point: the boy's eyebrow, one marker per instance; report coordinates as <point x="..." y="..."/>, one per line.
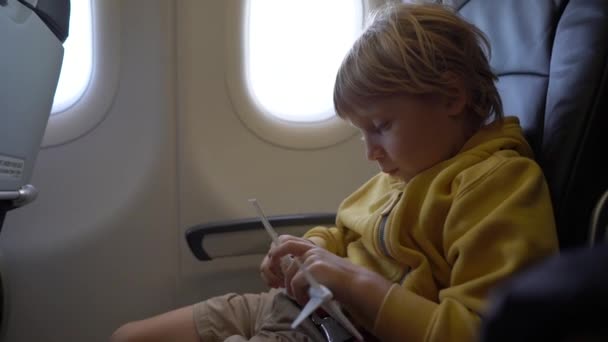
<point x="350" y="122"/>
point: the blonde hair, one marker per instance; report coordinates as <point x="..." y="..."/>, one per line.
<point x="418" y="50"/>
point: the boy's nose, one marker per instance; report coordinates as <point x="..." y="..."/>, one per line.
<point x="373" y="151"/>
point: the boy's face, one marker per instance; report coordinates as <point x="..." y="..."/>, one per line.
<point x="407" y="134"/>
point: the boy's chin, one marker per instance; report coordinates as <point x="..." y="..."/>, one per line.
<point x="392" y="173"/>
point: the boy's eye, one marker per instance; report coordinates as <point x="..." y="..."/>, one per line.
<point x="384" y="126"/>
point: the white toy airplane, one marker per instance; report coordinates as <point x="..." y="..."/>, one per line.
<point x="320" y="296"/>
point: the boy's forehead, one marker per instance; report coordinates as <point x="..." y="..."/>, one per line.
<point x="359" y="121"/>
<point x="371" y="110"/>
<point x="366" y="111"/>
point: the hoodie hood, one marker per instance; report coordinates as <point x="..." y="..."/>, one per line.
<point x="505" y="134"/>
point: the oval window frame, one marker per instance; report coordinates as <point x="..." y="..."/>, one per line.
<point x="264" y="125"/>
<point x="92" y="107"/>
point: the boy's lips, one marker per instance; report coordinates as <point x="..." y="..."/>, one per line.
<point x="390" y="171"/>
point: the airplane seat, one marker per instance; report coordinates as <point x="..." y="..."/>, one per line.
<point x="32" y="33"/>
<point x="551" y="60"/>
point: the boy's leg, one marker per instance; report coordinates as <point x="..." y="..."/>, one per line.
<point x="252" y="317"/>
<point x="176" y="325"/>
<point x="232" y="317"/>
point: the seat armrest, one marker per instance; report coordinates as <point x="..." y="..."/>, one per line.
<point x="196" y="235"/>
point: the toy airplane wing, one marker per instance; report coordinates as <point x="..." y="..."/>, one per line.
<point x="320" y="296"/>
<point x="313" y="304"/>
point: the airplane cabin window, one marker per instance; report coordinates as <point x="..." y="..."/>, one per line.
<point x="77" y="58"/>
<point x="293" y="51"/>
<point x="282" y="61"/>
<point x="89" y="75"/>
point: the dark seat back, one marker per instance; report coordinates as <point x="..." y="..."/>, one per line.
<point x="550" y="56"/>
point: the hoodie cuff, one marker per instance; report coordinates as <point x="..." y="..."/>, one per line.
<point x="322" y="237"/>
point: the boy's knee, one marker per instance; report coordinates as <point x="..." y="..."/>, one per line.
<point x="130" y="332"/>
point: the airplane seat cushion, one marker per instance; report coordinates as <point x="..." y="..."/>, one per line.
<point x="559" y="299"/>
<point x="550" y="57"/>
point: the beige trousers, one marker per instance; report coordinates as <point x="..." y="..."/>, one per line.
<point x="252" y="317"/>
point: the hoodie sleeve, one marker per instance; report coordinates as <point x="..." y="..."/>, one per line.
<point x="333" y="239"/>
<point x="499" y="222"/>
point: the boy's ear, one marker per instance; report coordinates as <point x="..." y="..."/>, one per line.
<point x="456" y="102"/>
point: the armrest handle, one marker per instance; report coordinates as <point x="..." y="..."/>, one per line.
<point x="195" y="235"/>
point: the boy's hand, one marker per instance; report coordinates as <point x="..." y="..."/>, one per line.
<point x="355" y="287"/>
<point x="274" y="270"/>
<point x="327" y="268"/>
<point x="272" y="276"/>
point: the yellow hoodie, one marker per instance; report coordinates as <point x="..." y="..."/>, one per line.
<point x="448" y="236"/>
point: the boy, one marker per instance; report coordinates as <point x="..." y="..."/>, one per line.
<point x="458" y="207"/>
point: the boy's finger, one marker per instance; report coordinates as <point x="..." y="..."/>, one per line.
<point x="299" y="288"/>
<point x="271" y="279"/>
<point x="293" y="247"/>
